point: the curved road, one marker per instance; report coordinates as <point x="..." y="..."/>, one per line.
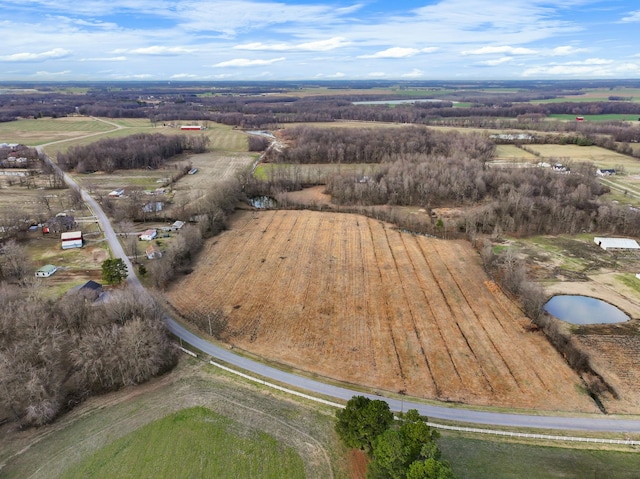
<point x="576" y="423"/>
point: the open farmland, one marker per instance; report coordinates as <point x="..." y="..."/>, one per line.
<point x="601" y="157"/>
<point x="352" y="299"/>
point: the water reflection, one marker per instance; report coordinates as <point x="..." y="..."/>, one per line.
<point x="584" y="310"/>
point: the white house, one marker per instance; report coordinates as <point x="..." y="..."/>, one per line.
<point x="148" y="235"/>
<point x="46" y="271"/>
<point x="119" y="193"/>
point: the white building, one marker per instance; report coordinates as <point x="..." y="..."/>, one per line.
<point x="616" y="243"/>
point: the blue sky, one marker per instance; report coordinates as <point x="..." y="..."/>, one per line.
<point x="304" y="40"/>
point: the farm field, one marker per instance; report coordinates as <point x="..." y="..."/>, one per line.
<point x="601" y="157"/>
<point x="350" y="298"/>
<point x="244" y="410"/>
<point x="603" y="117"/>
<point x="181" y="445"/>
<point x="45" y="130"/>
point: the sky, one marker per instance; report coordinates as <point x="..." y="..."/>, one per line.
<point x="206" y="40"/>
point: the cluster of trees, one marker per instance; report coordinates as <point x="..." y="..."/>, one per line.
<point x="369" y="145"/>
<point x="402" y="448"/>
<point x="141" y="150"/>
<point x="54" y="354"/>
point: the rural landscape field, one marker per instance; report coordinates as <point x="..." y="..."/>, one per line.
<point x="400" y="275"/>
<point x="353" y="299"/>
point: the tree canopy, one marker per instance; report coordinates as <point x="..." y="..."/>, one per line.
<point x="114" y="271"/>
<point x="404" y="448"/>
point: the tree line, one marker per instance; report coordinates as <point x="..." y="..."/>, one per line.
<point x="56" y="353"/>
<point x="138" y="151"/>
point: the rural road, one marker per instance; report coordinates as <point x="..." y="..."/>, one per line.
<point x="575" y="423"/>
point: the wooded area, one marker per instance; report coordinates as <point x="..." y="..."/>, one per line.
<point x="54" y="354"/>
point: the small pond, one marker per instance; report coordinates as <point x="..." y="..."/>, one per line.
<point x="263" y="202"/>
<point x="584" y="310"/>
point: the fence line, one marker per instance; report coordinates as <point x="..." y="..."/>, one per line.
<point x="475" y="430"/>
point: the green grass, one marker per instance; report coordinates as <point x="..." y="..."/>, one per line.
<point x="630" y="281"/>
<point x="606" y="117"/>
<point x="487" y="459"/>
<point x="192" y="443"/>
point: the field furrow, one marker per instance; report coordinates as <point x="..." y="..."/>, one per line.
<point x="351" y="298"/>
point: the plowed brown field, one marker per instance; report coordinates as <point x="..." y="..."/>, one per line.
<point x="352" y="299"/>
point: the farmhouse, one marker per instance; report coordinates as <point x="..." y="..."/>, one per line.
<point x="193" y="171"/>
<point x="46" y="271"/>
<point x="616" y="243"/>
<point x="605" y="172"/>
<point x="148" y="235"/>
<point x="119" y="193"/>
<point x="153" y="252"/>
<point x="191" y="127"/>
<point x="71" y="239"/>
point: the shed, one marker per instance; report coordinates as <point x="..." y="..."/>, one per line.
<point x="117" y="193"/>
<point x="148" y="235"/>
<point x="177" y="225"/>
<point x="616" y="243"/>
<point x="46" y="271"/>
<point x="71" y="239"/>
<point x="191" y="127"/>
<point x="153" y="252"/>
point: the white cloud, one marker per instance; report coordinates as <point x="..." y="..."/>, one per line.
<point x="161" y="50"/>
<point x="30" y="57"/>
<point x="315" y="46"/>
<point x="332" y="75"/>
<point x="632" y="17"/>
<point x="183" y="76"/>
<point x="246" y="62"/>
<point x="376" y="74"/>
<point x="566" y="50"/>
<point x="415" y="73"/>
<point x="497" y="61"/>
<point x="104" y="59"/>
<point x="488" y="50"/>
<point x="45" y="74"/>
<point x="592" y="67"/>
<point x="399" y="52"/>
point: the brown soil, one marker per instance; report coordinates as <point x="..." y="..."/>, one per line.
<point x="352" y="299"/>
<point x="358" y="462"/>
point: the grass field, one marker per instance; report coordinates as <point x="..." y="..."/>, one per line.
<point x="513" y="153"/>
<point x="604" y="117"/>
<point x="249" y="414"/>
<point x="476" y="458"/>
<point x="193" y="443"/>
<point x="596" y="95"/>
<point x="45" y="130"/>
<point x="352" y="299"/>
<point x="600" y="157"/>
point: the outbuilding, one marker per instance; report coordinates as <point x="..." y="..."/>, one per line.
<point x="153" y="252"/>
<point x="46" y="271"/>
<point x="191" y="127"/>
<point x="71" y="239"/>
<point x="616" y="243"/>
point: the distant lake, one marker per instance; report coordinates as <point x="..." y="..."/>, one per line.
<point x="400" y="102"/>
<point x="584" y="310"/>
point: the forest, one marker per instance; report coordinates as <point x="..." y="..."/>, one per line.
<point x="139" y="151"/>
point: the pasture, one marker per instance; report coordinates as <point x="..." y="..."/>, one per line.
<point x="193" y="442"/>
<point x="352" y="299"/>
<point x="603" y="117"/>
<point x="600" y="157"/>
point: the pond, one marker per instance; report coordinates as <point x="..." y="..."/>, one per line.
<point x="263" y="202"/>
<point x="584" y="310"/>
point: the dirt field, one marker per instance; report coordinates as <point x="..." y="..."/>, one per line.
<point x="349" y="298"/>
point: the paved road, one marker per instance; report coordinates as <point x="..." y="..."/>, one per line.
<point x="582" y="423"/>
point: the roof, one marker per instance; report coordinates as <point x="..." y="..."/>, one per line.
<point x="92" y="285"/>
<point x="47" y="268"/>
<point x="621" y="243"/>
<point x="71" y="235"/>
